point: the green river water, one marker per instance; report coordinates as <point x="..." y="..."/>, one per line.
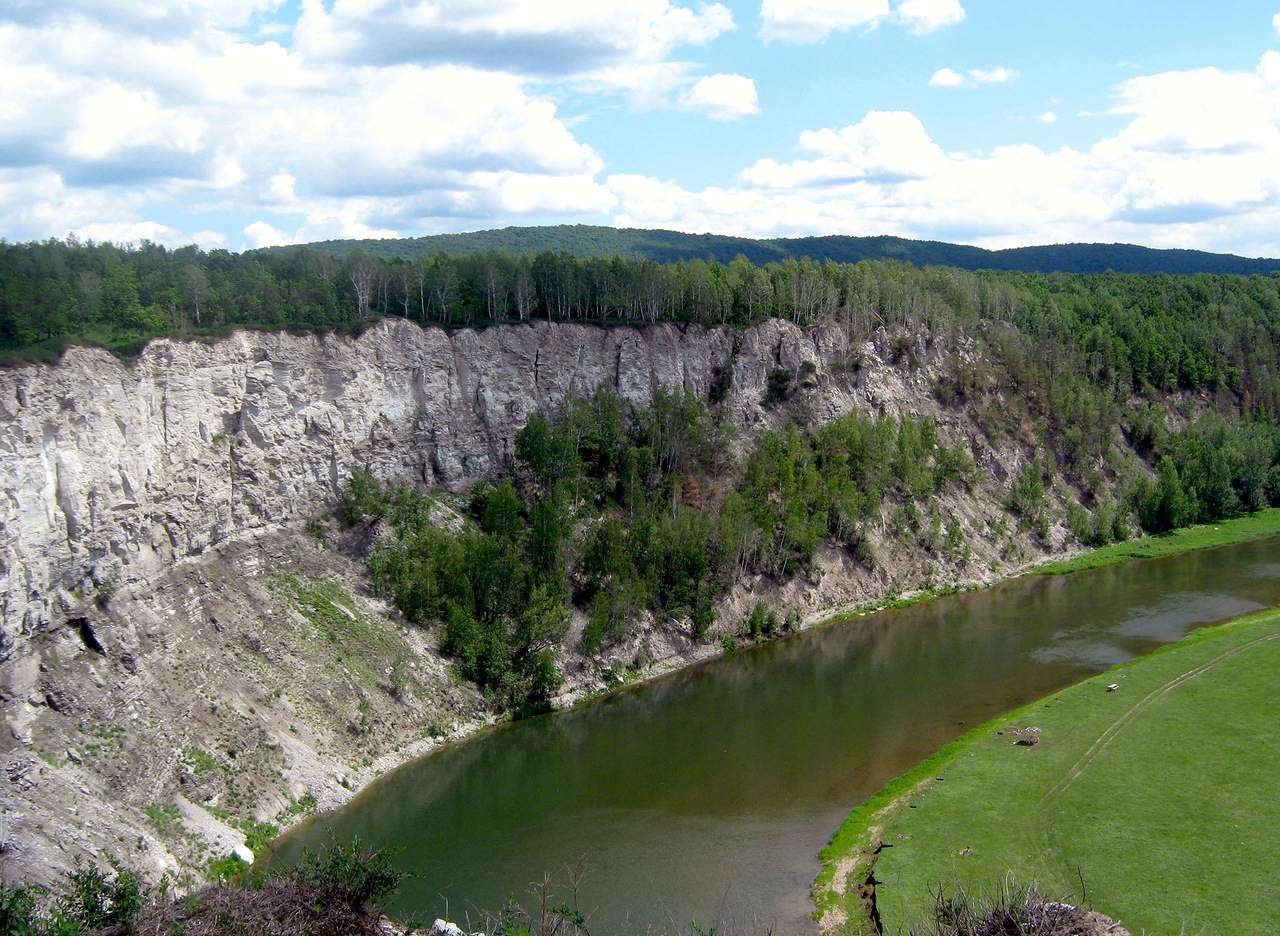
<point x="706" y="795"/>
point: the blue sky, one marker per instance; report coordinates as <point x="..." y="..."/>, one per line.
<point x="241" y="123"/>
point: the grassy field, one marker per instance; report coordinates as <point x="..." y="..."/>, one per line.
<point x="1250" y="526"/>
<point x="1161" y="797"/>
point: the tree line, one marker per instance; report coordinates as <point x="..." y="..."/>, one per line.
<point x="1145" y="334"/>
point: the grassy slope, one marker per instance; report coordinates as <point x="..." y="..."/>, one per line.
<point x="1161" y="796"/>
<point x="1250" y="526"/>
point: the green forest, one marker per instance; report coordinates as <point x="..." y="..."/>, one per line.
<point x="1126" y="333"/>
<point x="585" y="240"/>
<point x="628" y="513"/>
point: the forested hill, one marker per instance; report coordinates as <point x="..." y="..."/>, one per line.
<point x="582" y="240"/>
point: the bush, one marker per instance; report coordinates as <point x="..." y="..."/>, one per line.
<point x="1009" y="909"/>
<point x="348" y="873"/>
<point x="364" y="498"/>
<point x="762" y="623"/>
<point x="96" y="900"/>
<point x="1028" y="498"/>
<point x="1079" y="521"/>
<point x="19" y="911"/>
<point x="779" y="387"/>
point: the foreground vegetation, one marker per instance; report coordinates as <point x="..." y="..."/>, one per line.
<point x="1158" y="796"/>
<point x="330" y="893"/>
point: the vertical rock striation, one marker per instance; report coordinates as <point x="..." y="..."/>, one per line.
<point x="112" y="471"/>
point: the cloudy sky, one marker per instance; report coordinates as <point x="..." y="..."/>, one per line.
<point x="243" y="123"/>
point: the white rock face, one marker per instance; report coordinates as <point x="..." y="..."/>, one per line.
<point x="112" y="471"/>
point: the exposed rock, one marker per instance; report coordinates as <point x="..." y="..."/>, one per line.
<point x="167" y="625"/>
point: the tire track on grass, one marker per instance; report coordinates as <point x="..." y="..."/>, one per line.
<point x="1113" y="730"/>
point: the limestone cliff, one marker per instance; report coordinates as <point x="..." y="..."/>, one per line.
<point x="112" y="471"/>
<point x="177" y="660"/>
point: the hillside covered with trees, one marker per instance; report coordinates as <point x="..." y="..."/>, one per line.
<point x="585" y="240"/>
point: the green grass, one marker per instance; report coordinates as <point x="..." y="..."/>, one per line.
<point x="199" y="761"/>
<point x="1251" y="526"/>
<point x="1160" y="797"/>
<point x="165" y="820"/>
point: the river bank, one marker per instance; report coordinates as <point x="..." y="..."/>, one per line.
<point x="1207" y="536"/>
<point x="771" y="744"/>
<point x="1031" y="810"/>
<point x="1204" y="536"/>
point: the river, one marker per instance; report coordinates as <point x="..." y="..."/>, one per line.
<point x="708" y="794"/>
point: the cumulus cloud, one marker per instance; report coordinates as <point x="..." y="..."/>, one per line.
<point x="568" y="37"/>
<point x="1196" y="164"/>
<point x="1048" y="117"/>
<point x="926" y="16"/>
<point x="1275" y="22"/>
<point x="884" y="146"/>
<point x="814" y="20"/>
<point x="947" y="78"/>
<point x="261" y="234"/>
<point x="973" y="78"/>
<point x="722" y="97"/>
<point x="121" y="125"/>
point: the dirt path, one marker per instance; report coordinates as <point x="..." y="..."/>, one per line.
<point x="1104" y="740"/>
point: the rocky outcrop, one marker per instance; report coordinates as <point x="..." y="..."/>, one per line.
<point x="243" y="669"/>
<point x="113" y="471"/>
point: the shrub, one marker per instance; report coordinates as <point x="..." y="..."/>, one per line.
<point x="227" y="868"/>
<point x="1009" y="909"/>
<point x="762" y="623"/>
<point x="1028" y="498"/>
<point x="364" y="498"/>
<point x="96" y="900"/>
<point x="348" y="873"/>
<point x="779" y="387"/>
<point x="19" y="911"/>
<point x="1079" y="521"/>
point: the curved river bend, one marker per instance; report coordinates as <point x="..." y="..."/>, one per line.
<point x="708" y="794"/>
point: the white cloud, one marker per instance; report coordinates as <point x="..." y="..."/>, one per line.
<point x="974" y="77"/>
<point x="1196" y="164"/>
<point x="882" y="146"/>
<point x="814" y="20"/>
<point x="997" y="75"/>
<point x="1048" y="117"/>
<point x="1275" y="21"/>
<point x="125" y="125"/>
<point x="947" y="78"/>
<point x="568" y="37"/>
<point x="722" y="97"/>
<point x="260" y="234"/>
<point x="926" y="16"/>
<point x="154" y="17"/>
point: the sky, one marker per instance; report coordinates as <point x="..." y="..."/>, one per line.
<point x="248" y="123"/>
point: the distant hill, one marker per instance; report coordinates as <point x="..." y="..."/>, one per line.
<point x="583" y="240"/>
